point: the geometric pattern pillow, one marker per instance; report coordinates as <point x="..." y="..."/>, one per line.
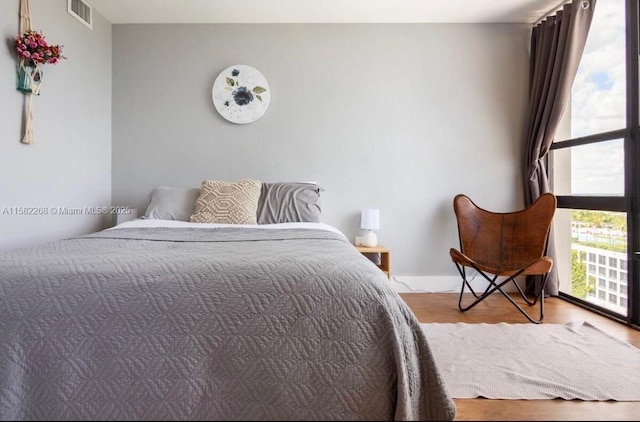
<point x="227" y="202"/>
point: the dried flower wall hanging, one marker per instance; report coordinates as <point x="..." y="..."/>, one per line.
<point x="33" y="52"/>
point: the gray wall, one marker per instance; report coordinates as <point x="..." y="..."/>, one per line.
<point x="70" y="163"/>
<point x="399" y="117"/>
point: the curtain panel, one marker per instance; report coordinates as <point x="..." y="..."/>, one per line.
<point x="557" y="44"/>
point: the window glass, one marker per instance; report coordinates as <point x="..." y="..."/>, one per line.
<point x="598" y="95"/>
<point x="601" y="237"/>
<point x="591" y="169"/>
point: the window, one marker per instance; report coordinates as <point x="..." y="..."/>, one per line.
<point x="602" y="283"/>
<point x="623" y="289"/>
<point x="595" y="165"/>
<point x="623" y="302"/>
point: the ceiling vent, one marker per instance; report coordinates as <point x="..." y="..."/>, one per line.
<point x="82" y="11"/>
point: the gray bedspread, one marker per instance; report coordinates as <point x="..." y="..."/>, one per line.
<point x="225" y="324"/>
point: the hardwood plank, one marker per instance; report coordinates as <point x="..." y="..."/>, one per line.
<point x="443" y="307"/>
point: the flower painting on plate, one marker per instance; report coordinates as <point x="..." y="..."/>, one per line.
<point x="241" y="94"/>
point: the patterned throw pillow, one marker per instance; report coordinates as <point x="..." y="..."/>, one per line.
<point x="227" y="202"/>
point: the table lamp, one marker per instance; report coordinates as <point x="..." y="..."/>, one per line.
<point x="370" y="220"/>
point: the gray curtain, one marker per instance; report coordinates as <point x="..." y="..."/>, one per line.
<point x="556" y="48"/>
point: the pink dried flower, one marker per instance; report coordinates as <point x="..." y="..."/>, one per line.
<point x="32" y="46"/>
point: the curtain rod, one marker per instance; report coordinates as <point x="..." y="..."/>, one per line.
<point x="550" y="12"/>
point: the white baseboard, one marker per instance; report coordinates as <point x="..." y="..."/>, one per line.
<point x="438" y="284"/>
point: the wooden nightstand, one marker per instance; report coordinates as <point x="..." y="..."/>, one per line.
<point x="385" y="263"/>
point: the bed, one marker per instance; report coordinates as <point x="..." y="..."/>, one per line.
<point x="171" y="320"/>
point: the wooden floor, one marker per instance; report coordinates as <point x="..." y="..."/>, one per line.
<point x="443" y="307"/>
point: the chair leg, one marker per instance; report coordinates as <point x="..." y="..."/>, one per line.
<point x="523" y="312"/>
<point x="463" y="274"/>
<point x="493" y="286"/>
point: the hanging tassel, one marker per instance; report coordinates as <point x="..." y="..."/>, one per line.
<point x="28" y="124"/>
<point x="25" y="25"/>
<point x="25" y="16"/>
<point x="35" y="79"/>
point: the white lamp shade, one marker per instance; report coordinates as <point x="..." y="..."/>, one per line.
<point x="370" y="219"/>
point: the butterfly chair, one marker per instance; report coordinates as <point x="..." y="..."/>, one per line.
<point x="503" y="245"/>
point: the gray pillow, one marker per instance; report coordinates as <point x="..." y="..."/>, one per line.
<point x="289" y="202"/>
<point x="167" y="203"/>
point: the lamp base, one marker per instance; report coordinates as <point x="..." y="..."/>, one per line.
<point x="370" y="239"/>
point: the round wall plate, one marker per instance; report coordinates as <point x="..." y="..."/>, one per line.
<point x="241" y="94"/>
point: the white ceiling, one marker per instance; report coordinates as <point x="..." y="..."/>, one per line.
<point x="322" y="11"/>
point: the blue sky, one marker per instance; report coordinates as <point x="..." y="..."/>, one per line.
<point x="598" y="103"/>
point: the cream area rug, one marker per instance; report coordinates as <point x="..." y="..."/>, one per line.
<point x="527" y="361"/>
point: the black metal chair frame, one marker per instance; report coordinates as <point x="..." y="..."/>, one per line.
<point x="493" y="286"/>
